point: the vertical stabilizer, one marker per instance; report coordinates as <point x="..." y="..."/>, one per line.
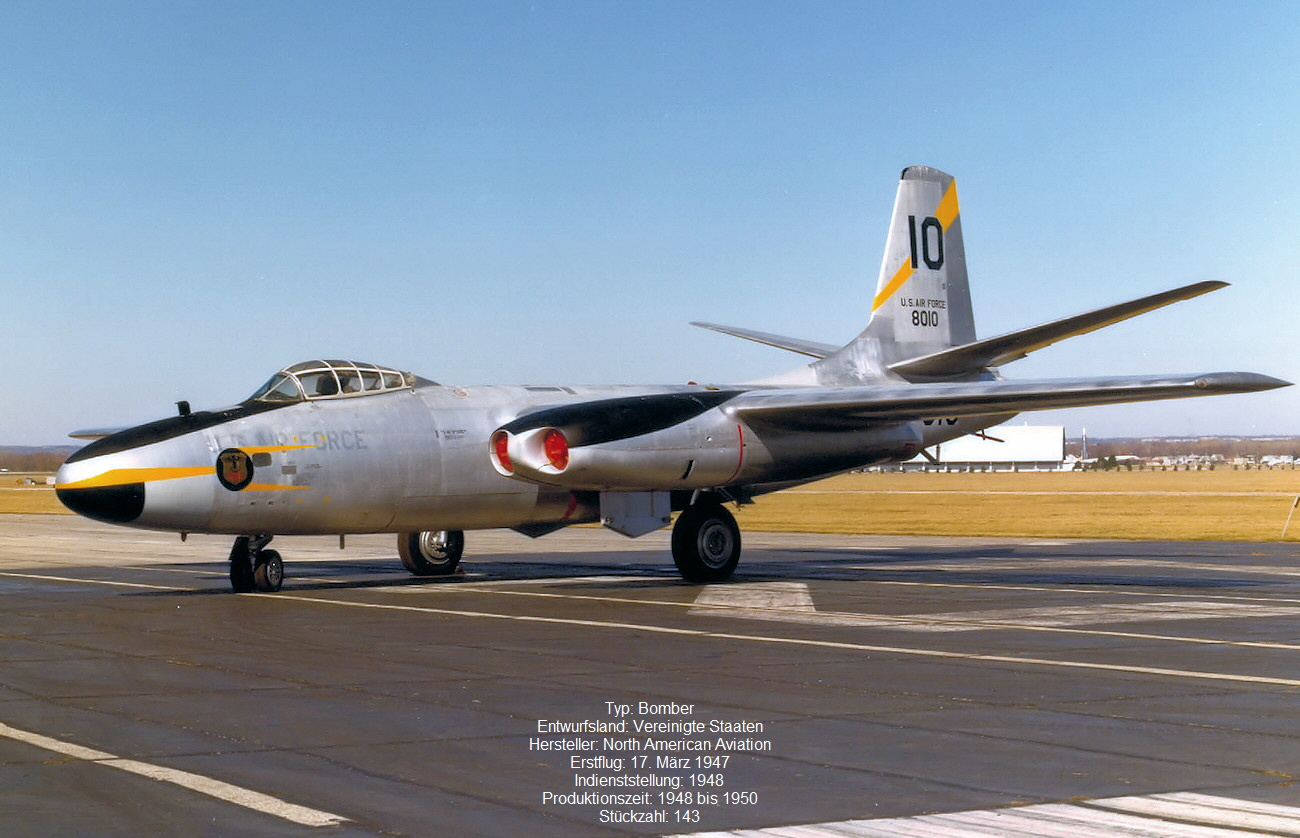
<point x="922" y="300"/>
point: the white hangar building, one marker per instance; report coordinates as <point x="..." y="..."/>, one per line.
<point x="1001" y="448"/>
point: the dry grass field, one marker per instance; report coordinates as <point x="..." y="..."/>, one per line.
<point x="1220" y="505"/>
<point x="17" y="498"/>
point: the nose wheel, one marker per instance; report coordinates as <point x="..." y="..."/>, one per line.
<point x="254" y="568"/>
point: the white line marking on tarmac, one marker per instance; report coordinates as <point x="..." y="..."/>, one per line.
<point x="1179" y="815"/>
<point x="792" y="602"/>
<point x="795" y="610"/>
<point x="744" y="597"/>
<point x="82" y="581"/>
<point x="1133" y="612"/>
<point x="1071" y="566"/>
<point x="1203" y="808"/>
<point x="1146" y="561"/>
<point x="1109" y="590"/>
<point x="237" y="795"/>
<point x="577" y="579"/>
<point x="795" y="641"/>
<point x="765" y="602"/>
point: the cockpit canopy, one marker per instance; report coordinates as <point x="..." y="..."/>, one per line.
<point x="314" y="380"/>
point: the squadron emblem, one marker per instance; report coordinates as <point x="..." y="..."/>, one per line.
<point x="234" y="469"/>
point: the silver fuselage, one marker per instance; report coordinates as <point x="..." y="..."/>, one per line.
<point x="419" y="459"/>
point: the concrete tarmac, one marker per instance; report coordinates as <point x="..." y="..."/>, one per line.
<point x="575" y="686"/>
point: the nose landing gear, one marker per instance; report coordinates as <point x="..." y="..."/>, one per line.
<point x="254" y="568"/>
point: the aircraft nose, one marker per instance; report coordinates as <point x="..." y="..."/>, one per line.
<point x="118" y="504"/>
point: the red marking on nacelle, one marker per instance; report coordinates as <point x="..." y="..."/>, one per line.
<point x="740" y="453"/>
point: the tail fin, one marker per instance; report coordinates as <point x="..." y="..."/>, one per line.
<point x="921" y="326"/>
<point x="922" y="301"/>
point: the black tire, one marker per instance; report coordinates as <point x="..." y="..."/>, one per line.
<point x="241" y="567"/>
<point x="432" y="553"/>
<point x="706" y="543"/>
<point x="268" y="573"/>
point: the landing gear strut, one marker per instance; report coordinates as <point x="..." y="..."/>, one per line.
<point x="706" y="542"/>
<point x="253" y="568"/>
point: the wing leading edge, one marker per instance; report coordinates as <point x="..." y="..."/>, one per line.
<point x="843" y="408"/>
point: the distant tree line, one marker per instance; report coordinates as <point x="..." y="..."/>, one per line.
<point x="34" y="460"/>
<point x="1226" y="447"/>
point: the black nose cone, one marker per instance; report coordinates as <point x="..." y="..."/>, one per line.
<point x="112" y="504"/>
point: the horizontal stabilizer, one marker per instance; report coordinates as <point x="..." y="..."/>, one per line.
<point x="803" y="347"/>
<point x="845" y="408"/>
<point x="94" y="433"/>
<point x="991" y="352"/>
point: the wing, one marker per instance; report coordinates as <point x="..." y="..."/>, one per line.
<point x="844" y="408"/>
<point x="1012" y="346"/>
<point x="813" y="349"/>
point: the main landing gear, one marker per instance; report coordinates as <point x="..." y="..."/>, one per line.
<point x="433" y="553"/>
<point x="706" y="548"/>
<point x="254" y="568"/>
<point x="706" y="542"/>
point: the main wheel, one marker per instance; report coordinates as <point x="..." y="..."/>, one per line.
<point x="433" y="553"/>
<point x="268" y="573"/>
<point x="706" y="543"/>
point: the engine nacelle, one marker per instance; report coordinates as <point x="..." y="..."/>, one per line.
<point x="702" y="453"/>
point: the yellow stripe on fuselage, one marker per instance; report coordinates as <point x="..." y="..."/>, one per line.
<point x="274" y="449"/>
<point x="126" y="476"/>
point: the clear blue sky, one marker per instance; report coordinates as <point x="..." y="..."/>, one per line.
<point x="193" y="195"/>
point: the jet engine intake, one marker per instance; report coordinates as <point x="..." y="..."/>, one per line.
<point x="538" y="451"/>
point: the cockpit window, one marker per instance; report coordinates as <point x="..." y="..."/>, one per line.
<point x="281" y="388"/>
<point x="314" y="380"/>
<point x="319" y="384"/>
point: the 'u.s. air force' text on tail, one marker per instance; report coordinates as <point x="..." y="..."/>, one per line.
<point x="438" y="460"/>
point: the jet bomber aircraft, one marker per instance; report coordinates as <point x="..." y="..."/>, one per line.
<point x="338" y="447"/>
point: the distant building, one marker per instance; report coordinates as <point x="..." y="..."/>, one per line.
<point x="1002" y="448"/>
